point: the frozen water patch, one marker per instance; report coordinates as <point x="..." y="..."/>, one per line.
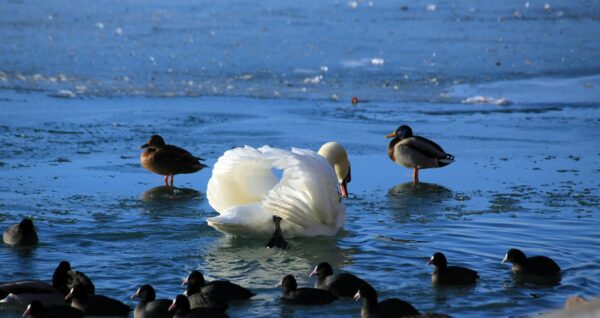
<point x="540" y="90"/>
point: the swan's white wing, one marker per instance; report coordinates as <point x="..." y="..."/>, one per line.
<point x="307" y="194"/>
<point x="241" y="176"/>
<point x="246" y="193"/>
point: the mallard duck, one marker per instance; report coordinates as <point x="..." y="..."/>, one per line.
<point x="168" y="160"/>
<point x="416" y="152"/>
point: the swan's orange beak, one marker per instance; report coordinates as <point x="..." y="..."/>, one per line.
<point x="344" y="189"/>
<point x="391" y="135"/>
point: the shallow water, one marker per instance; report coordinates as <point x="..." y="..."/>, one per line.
<point x="522" y="179"/>
<point x="527" y="174"/>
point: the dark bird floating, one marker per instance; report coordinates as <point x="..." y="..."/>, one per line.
<point x="22" y="234"/>
<point x="341" y="285"/>
<point x="450" y="275"/>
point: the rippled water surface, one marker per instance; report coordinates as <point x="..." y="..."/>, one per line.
<point x="210" y="77"/>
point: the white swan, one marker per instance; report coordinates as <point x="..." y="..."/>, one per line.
<point x="246" y="193"/>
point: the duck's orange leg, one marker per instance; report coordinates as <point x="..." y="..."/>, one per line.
<point x="167" y="180"/>
<point x="416" y="175"/>
<point x="172" y="177"/>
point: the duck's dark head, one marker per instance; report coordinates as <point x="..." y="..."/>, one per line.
<point x="35" y="309"/>
<point x="180" y="304"/>
<point x="514" y="256"/>
<point x="195" y="278"/>
<point x="63" y="266"/>
<point x="322" y="270"/>
<point x="26" y="225"/>
<point x="60" y="276"/>
<point x="438" y="260"/>
<point x="288" y="283"/>
<point x="145" y="293"/>
<point x="402" y="132"/>
<point x="155" y="141"/>
<point x="367" y="292"/>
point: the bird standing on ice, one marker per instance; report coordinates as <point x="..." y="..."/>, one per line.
<point x="247" y="193"/>
<point x="168" y="160"/>
<point x="416" y="152"/>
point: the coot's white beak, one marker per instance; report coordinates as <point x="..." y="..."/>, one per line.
<point x="357" y="295"/>
<point x="430" y="261"/>
<point x="505" y="259"/>
<point x="26" y="313"/>
<point x="314" y="272"/>
<point x="172" y="307"/>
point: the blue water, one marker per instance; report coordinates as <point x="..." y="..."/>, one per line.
<point x="526" y="174"/>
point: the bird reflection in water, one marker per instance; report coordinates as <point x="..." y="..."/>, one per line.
<point x="407" y="198"/>
<point x="162" y="193"/>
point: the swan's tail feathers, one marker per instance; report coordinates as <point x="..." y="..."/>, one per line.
<point x="445" y="160"/>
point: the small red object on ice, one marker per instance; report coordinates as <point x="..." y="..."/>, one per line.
<point x="354" y="100"/>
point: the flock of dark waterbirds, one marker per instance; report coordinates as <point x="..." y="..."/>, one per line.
<point x="72" y="294"/>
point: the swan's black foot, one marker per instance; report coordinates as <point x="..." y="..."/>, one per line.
<point x="277" y="239"/>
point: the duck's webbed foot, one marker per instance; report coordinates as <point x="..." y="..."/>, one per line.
<point x="277" y="238"/>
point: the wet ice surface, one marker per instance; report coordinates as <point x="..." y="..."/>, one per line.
<point x="381" y="50"/>
<point x="526" y="176"/>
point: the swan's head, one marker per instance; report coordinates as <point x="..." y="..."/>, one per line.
<point x="338" y="158"/>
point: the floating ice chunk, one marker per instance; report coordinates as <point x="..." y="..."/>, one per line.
<point x="64" y="93"/>
<point x="517" y="14"/>
<point x="324" y="69"/>
<point x="377" y="61"/>
<point x="334" y="97"/>
<point x="527" y="4"/>
<point x="353" y="4"/>
<point x="487" y="100"/>
<point x="431" y="7"/>
<point x="80" y="89"/>
<point x="100" y="25"/>
<point x="313" y="80"/>
<point x="547" y="7"/>
<point x="38" y="77"/>
<point x="119" y="31"/>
